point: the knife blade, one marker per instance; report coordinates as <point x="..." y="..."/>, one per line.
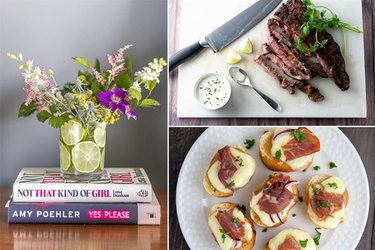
<point x="227" y="33"/>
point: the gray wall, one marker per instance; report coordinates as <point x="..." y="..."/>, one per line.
<point x="51" y="32"/>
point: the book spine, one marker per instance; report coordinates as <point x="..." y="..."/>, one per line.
<point x="83" y="213"/>
<point x="82" y="193"/>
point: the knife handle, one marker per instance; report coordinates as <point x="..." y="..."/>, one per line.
<point x="183" y="55"/>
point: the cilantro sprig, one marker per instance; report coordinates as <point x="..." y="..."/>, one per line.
<point x="249" y="143"/>
<point x="299" y="135"/>
<point x="317" y="238"/>
<point x="317" y="21"/>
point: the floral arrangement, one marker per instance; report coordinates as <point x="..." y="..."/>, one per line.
<point x="95" y="97"/>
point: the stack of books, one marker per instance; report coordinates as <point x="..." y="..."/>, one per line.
<point x="120" y="196"/>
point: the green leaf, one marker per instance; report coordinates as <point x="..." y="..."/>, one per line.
<point x="97" y="65"/>
<point x="135" y="93"/>
<point x="150" y="85"/>
<point x="149" y="103"/>
<point x="96" y="87"/>
<point x="43" y="116"/>
<point x="133" y="103"/>
<point x="83" y="61"/>
<point x="123" y="81"/>
<point x="128" y="65"/>
<point x="58" y="121"/>
<point x="278" y="154"/>
<point x="26" y="110"/>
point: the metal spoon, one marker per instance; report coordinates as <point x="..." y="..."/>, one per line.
<point x="239" y="76"/>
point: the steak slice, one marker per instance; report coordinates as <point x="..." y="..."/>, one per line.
<point x="330" y="57"/>
<point x="268" y="56"/>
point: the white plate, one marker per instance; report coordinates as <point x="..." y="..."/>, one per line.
<point x="196" y="23"/>
<point x="193" y="202"/>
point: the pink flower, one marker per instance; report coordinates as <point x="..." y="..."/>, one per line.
<point x="37" y="86"/>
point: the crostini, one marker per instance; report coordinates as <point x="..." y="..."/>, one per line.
<point x="231" y="168"/>
<point x="230" y="228"/>
<point x="272" y="202"/>
<point x="289" y="239"/>
<point x="288" y="150"/>
<point x="326" y="199"/>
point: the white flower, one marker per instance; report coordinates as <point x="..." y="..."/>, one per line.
<point x="150" y="73"/>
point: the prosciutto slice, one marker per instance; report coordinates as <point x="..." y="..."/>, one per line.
<point x="275" y="196"/>
<point x="228" y="166"/>
<point x="289" y="244"/>
<point x="295" y="149"/>
<point x="235" y="230"/>
<point x="332" y="203"/>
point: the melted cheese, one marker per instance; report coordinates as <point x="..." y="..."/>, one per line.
<point x="241" y="177"/>
<point x="228" y="243"/>
<point x="297" y="234"/>
<point x="334" y="220"/>
<point x="296" y="164"/>
<point x="265" y="217"/>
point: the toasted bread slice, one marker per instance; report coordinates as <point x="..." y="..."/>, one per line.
<point x="294" y="232"/>
<point x="315" y="180"/>
<point x="206" y="181"/>
<point x="255" y="217"/>
<point x="265" y="145"/>
<point x="227" y="206"/>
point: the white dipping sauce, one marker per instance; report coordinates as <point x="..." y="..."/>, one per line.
<point x="212" y="91"/>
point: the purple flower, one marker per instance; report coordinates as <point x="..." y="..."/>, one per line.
<point x="117" y="100"/>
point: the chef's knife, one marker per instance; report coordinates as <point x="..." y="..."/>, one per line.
<point x="227" y="33"/>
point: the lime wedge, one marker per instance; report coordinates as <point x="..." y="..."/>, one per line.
<point x="64" y="158"/>
<point x="86" y="157"/>
<point x="245" y="46"/>
<point x="99" y="135"/>
<point x="233" y="57"/>
<point x="72" y="132"/>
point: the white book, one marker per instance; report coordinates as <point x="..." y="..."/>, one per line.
<point x="115" y="185"/>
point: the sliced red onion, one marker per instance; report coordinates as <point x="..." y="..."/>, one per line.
<point x="278" y="216"/>
<point x="271" y="217"/>
<point x="225" y="183"/>
<point x="282" y="132"/>
<point x="290" y="183"/>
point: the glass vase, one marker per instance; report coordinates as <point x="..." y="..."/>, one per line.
<point x="82" y="150"/>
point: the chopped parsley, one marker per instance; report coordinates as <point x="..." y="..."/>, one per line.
<point x="230" y="184"/>
<point x="317" y="238"/>
<point x="278" y="154"/>
<point x="264" y="230"/>
<point x="215" y="190"/>
<point x="316" y="168"/>
<point x="298" y="135"/>
<point x="270" y="176"/>
<point x="241" y="161"/>
<point x="249" y="143"/>
<point x="294" y="215"/>
<point x="291" y="197"/>
<point x="332" y="165"/>
<point x="236" y="219"/>
<point x="316" y="191"/>
<point x="333" y="185"/>
<point x="241" y="207"/>
<point x="223" y="236"/>
<point x="300" y="199"/>
<point x="265" y="131"/>
<point x="303" y="243"/>
<point x="321" y="203"/>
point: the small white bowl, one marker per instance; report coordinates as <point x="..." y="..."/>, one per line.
<point x="212" y="91"/>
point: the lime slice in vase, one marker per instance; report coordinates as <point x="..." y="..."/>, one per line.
<point x="64" y="157"/>
<point x="86" y="157"/>
<point x="72" y="132"/>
